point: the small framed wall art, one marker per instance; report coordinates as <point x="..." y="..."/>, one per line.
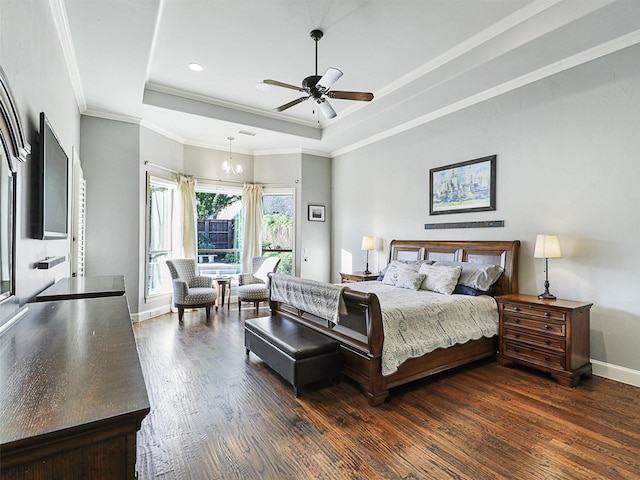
<point x="463" y="187"/>
<point x="316" y="213"/>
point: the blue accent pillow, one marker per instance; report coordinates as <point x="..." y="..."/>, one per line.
<point x="474" y="292"/>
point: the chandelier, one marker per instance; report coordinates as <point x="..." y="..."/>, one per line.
<point x="228" y="165"/>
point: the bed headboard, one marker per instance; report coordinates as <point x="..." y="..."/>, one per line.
<point x="503" y="253"/>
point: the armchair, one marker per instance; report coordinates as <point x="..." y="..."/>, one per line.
<point x="254" y="287"/>
<point x="189" y="289"/>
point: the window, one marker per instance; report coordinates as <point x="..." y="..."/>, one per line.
<point x="278" y="228"/>
<point x="220" y="234"/>
<point x="219" y="229"/>
<point x="160" y="199"/>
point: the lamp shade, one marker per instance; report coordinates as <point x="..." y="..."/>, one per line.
<point x="547" y="246"/>
<point x="367" y="243"/>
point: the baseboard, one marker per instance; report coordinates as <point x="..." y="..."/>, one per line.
<point x="147" y="314"/>
<point x="617" y="373"/>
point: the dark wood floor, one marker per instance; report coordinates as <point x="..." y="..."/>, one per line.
<point x="218" y="414"/>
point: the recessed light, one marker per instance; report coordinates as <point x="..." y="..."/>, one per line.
<point x="196" y="67"/>
<point x="263" y="86"/>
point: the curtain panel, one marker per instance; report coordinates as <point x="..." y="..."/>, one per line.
<point x="252" y="223"/>
<point x="189" y="216"/>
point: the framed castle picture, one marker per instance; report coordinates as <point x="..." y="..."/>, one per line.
<point x="463" y="187"/>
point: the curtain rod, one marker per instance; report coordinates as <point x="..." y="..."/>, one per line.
<point x="166" y="169"/>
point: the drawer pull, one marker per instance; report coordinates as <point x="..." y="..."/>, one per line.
<point x="548" y="342"/>
<point x="516" y="320"/>
<point x="517" y="350"/>
<point x="516" y="309"/>
<point x="547" y="314"/>
<point x="547" y="326"/>
<point x="517" y="335"/>
<point x="547" y="359"/>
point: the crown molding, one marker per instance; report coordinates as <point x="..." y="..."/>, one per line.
<point x="154" y="87"/>
<point x="554" y="68"/>
<point x="495" y="30"/>
<point x="289" y="151"/>
<point x="111" y="116"/>
<point x="61" y="23"/>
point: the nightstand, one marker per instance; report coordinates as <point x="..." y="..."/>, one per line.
<point x="549" y="335"/>
<point x="358" y="277"/>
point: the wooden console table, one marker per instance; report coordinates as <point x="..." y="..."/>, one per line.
<point x="73" y="393"/>
<point x="83" y="287"/>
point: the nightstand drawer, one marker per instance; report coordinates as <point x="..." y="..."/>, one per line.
<point x="534" y="311"/>
<point x="536" y="341"/>
<point x="533" y="355"/>
<point x="534" y="324"/>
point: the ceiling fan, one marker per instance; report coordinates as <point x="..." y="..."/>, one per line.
<point x="319" y="87"/>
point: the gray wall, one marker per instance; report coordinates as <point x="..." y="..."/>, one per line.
<point x="315" y="237"/>
<point x="32" y="60"/>
<point x="110" y="153"/>
<point x="567" y="163"/>
<point x="207" y="163"/>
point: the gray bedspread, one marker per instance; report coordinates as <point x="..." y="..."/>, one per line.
<point x="418" y="322"/>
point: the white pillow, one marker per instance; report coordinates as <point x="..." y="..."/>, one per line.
<point x="440" y="279"/>
<point x="410" y="280"/>
<point x="394" y="269"/>
<point x="480" y="276"/>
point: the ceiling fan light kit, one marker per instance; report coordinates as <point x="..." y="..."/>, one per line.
<point x="319" y="87"/>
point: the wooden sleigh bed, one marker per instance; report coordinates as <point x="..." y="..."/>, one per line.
<point x="360" y="332"/>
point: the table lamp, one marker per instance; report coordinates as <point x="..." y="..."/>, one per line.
<point x="367" y="244"/>
<point x="547" y="246"/>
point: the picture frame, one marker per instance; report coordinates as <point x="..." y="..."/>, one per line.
<point x="468" y="186"/>
<point x="316" y="213"/>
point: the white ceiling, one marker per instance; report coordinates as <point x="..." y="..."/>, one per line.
<point x="422" y="59"/>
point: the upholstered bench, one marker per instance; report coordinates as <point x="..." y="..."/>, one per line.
<point x="299" y="354"/>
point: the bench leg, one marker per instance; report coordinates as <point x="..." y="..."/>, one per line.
<point x="180" y="313"/>
<point x="295" y="392"/>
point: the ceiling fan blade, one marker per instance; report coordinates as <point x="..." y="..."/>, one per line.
<point x="362" y="96"/>
<point x="285" y="85"/>
<point x="326" y="108"/>
<point x="330" y="77"/>
<point x="282" y="108"/>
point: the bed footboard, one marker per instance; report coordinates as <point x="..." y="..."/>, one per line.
<point x="360" y="335"/>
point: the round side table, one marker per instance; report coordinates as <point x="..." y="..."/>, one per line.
<point x="223" y="286"/>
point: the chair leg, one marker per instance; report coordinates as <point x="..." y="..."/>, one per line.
<point x="208" y="310"/>
<point x="180" y="313"/>
<point x="257" y="305"/>
<point x="239" y="305"/>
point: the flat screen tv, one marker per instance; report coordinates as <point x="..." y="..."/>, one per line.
<point x="50" y="186"/>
